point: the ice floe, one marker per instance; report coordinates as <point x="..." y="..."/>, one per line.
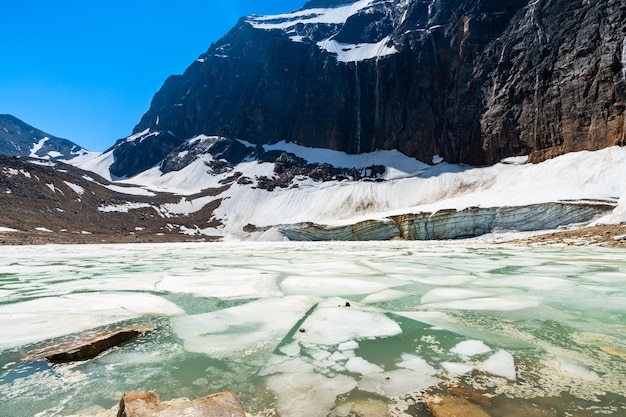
<point x="471" y="348"/>
<point x="244" y="330"/>
<point x="332" y="323"/>
<point x="45" y="318"/>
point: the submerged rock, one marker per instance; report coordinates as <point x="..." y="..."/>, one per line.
<point x="452" y="406"/>
<point x="148" y="404"/>
<point x="87" y="346"/>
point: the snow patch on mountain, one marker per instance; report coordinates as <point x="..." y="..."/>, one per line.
<point x="37" y="147"/>
<point x="336" y="15"/>
<point x="358" y="52"/>
<point x="291" y="24"/>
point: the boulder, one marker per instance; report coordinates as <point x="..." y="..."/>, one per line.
<point x="148" y="404"/>
<point x="87" y="345"/>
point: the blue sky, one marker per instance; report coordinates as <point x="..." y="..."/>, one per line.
<point x="87" y="70"/>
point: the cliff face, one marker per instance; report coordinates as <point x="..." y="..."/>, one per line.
<point x="471" y="81"/>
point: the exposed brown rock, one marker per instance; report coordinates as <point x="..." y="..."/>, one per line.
<point x="87" y="346"/>
<point x="452" y="406"/>
<point x="148" y="404"/>
<point x="470" y="394"/>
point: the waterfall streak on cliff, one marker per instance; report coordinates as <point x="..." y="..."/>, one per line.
<point x="377" y="100"/>
<point x="532" y="14"/>
<point x="357" y="81"/>
<point x="624" y="59"/>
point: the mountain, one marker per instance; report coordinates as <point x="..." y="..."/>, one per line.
<point x="469" y="81"/>
<point x="53" y="202"/>
<point x="363" y="120"/>
<point x="20" y="139"/>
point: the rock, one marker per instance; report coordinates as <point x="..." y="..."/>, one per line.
<point x="619" y="238"/>
<point x="451" y="406"/>
<point x="471" y="395"/>
<point x="148" y="404"/>
<point x="87" y="346"/>
<point x="471" y="81"/>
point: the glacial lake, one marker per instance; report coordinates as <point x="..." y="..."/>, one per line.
<point x="320" y="329"/>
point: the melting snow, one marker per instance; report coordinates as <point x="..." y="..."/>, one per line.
<point x="76" y="188"/>
<point x="123" y="208"/>
<point x="37" y="147"/>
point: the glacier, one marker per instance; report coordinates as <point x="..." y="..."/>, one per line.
<point x="407" y="199"/>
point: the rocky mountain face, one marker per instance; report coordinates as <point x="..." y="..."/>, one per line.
<point x="20" y="139"/>
<point x="53" y="202"/>
<point x="471" y="81"/>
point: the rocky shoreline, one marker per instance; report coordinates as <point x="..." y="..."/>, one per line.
<point x="601" y="235"/>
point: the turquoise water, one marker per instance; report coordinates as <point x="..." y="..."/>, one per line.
<point x="541" y="331"/>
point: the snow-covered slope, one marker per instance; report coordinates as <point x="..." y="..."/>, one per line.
<point x="257" y="198"/>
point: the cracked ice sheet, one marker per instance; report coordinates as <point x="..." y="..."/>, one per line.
<point x="308" y="394"/>
<point x="330" y="324"/>
<point x="245" y="330"/>
<point x="225" y="284"/>
<point x="484" y="304"/>
<point x="416" y="375"/>
<point x="46" y="318"/>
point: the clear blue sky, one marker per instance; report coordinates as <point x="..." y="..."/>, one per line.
<point x="87" y="70"/>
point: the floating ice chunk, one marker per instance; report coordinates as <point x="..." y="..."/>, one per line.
<point x="237" y="283"/>
<point x="46" y="318"/>
<point x="308" y="394"/>
<point x="539" y="283"/>
<point x="358" y="365"/>
<point x="501" y="364"/>
<point x="415" y="363"/>
<point x="487" y="303"/>
<point x="447" y="294"/>
<point x="325" y="286"/>
<point x="320" y="355"/>
<point x="292" y="349"/>
<point x="455" y="368"/>
<point x="282" y="365"/>
<point x="243" y="330"/>
<point x="330" y="324"/>
<point x="386" y="295"/>
<point x="397" y="383"/>
<point x="349" y="345"/>
<point x="338" y="357"/>
<point x="470" y="348"/>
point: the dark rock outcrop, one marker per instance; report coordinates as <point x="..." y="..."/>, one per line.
<point x="88" y="346"/>
<point x="20" y="139"/>
<point x="471" y="81"/>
